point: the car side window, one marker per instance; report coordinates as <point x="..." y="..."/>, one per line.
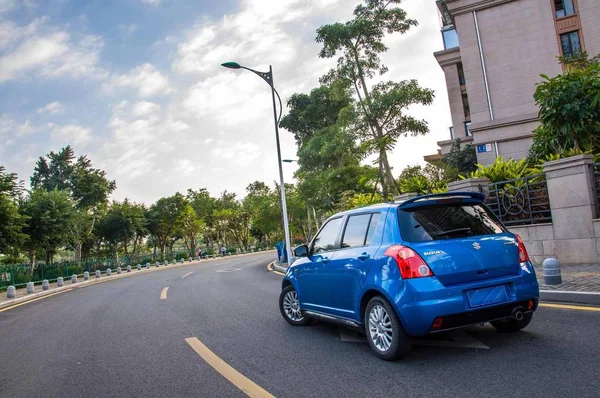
<point x="326" y="239"/>
<point x="372" y="227"/>
<point x="356" y="231"/>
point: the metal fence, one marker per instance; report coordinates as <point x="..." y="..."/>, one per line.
<point x="523" y="201"/>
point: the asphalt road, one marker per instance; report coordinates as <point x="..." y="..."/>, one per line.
<point x="120" y="339"/>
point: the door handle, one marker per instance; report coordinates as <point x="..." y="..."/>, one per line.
<point x="325" y="260"/>
<point x="364" y="256"/>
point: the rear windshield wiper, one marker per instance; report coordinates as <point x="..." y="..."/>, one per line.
<point x="454" y="231"/>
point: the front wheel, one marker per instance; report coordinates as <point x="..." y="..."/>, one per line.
<point x="385" y="333"/>
<point x="289" y="305"/>
<point x="512" y="325"/>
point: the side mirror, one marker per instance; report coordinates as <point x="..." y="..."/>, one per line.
<point x="301" y="251"/>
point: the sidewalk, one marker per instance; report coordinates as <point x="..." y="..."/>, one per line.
<point x="575" y="278"/>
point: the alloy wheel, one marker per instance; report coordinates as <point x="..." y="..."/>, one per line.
<point x="380" y="328"/>
<point x="291" y="306"/>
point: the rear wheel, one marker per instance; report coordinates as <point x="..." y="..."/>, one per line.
<point x="385" y="333"/>
<point x="512" y="325"/>
<point x="289" y="305"/>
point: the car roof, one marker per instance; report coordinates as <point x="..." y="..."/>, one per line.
<point x="378" y="206"/>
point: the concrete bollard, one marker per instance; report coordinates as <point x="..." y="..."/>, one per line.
<point x="119" y="270"/>
<point x="190" y="259"/>
<point x="139" y="267"/>
<point x="60" y="281"/>
<point x="30" y="287"/>
<point x="157" y="264"/>
<point x="86" y="276"/>
<point x="98" y="274"/>
<point x="198" y="258"/>
<point x="206" y="257"/>
<point x="214" y="256"/>
<point x="45" y="284"/>
<point x="259" y="249"/>
<point x="552" y="272"/>
<point x="165" y="262"/>
<point x="129" y="268"/>
<point x="147" y="265"/>
<point x="108" y="271"/>
<point x="73" y="278"/>
<point x="11" y="292"/>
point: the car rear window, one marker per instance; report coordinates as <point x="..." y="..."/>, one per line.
<point x="437" y="222"/>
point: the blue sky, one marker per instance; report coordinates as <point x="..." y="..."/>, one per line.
<point x="136" y="85"/>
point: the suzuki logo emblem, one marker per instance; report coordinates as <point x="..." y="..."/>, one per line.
<point x="476" y="246"/>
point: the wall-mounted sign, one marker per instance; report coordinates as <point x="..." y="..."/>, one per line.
<point x="484" y="148"/>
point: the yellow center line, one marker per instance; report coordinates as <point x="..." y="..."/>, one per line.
<point x="163" y="294"/>
<point x="188" y="274"/>
<point x="31" y="301"/>
<point x="236" y="378"/>
<point x="270" y="269"/>
<point x="570" y="307"/>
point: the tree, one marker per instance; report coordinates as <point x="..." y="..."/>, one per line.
<point x="88" y="187"/>
<point x="328" y="155"/>
<point x="189" y="226"/>
<point x="569" y="109"/>
<point x="11" y="221"/>
<point x="463" y="159"/>
<point x="49" y="215"/>
<point x="380" y="111"/>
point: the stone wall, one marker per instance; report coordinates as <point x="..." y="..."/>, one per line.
<point x="538" y="239"/>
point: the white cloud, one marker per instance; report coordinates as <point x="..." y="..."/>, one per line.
<point x="7" y="6"/>
<point x="32" y="53"/>
<point x="237" y="154"/>
<point x="9" y="127"/>
<point x="39" y="49"/>
<point x="145" y="78"/>
<point x="52" y="108"/>
<point x="151" y="2"/>
<point x="144" y="108"/>
<point x="71" y="134"/>
<point x="81" y="60"/>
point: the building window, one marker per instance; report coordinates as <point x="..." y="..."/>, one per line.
<point x="466" y="107"/>
<point x="570" y="44"/>
<point x="452" y="133"/>
<point x="564" y="8"/>
<point x="468" y="129"/>
<point x="461" y="74"/>
<point x="450" y="38"/>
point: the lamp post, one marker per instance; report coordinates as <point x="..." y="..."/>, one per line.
<point x="310" y="235"/>
<point x="268" y="77"/>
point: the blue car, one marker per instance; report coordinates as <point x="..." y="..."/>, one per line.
<point x="400" y="270"/>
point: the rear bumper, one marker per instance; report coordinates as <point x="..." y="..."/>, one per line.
<point x="420" y="301"/>
<point x="503" y="311"/>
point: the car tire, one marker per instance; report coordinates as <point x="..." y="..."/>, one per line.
<point x="290" y="307"/>
<point x="384" y="332"/>
<point x="512" y="325"/>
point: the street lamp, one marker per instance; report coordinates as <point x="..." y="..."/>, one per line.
<point x="268" y="77"/>
<point x="307" y="206"/>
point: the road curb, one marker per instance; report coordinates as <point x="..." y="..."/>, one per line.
<point x="36" y="296"/>
<point x="561" y="296"/>
<point x="278" y="267"/>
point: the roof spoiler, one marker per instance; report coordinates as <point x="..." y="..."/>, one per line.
<point x="439" y="198"/>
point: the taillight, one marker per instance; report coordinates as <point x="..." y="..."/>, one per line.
<point x="410" y="264"/>
<point x="523" y="256"/>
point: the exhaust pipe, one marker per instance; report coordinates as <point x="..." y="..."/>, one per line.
<point x="517" y="314"/>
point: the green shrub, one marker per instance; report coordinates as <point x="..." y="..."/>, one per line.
<point x="505" y="170"/>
